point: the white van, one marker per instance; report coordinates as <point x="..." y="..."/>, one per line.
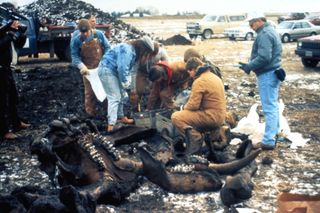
<point x="213" y="24"/>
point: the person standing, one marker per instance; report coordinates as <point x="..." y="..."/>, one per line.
<point x="109" y="32"/>
<point x="264" y="61"/>
<point x="87" y="48"/>
<point x="206" y="106"/>
<point x="92" y="20"/>
<point x="11" y="36"/>
<point x="115" y="72"/>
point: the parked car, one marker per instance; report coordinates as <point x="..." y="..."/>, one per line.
<point x="243" y="31"/>
<point x="213" y="24"/>
<point x="292" y="16"/>
<point x="308" y="48"/>
<point x="314" y="19"/>
<point x="292" y="30"/>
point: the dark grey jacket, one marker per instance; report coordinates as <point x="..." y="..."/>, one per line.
<point x="266" y="50"/>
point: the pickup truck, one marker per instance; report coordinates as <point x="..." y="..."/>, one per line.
<point x="213" y="24"/>
<point x="308" y="48"/>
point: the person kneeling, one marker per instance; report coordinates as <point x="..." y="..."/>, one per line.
<point x="206" y="106"/>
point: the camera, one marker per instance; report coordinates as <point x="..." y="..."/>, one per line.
<point x="9" y="16"/>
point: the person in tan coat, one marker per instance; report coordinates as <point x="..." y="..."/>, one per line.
<point x="167" y="79"/>
<point x="205" y="108"/>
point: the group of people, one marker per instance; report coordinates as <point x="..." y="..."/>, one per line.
<point x="91" y="49"/>
<point x="136" y="64"/>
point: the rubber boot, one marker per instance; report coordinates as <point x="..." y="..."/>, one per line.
<point x="194" y="145"/>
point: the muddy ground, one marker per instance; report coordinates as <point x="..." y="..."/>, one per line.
<point x="50" y="89"/>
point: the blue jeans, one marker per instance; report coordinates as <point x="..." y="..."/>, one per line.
<point x="114" y="91"/>
<point x="269" y="84"/>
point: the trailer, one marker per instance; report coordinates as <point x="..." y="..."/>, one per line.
<point x="44" y="38"/>
<point x="54" y="40"/>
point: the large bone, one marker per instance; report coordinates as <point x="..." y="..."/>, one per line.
<point x="196" y="181"/>
<point x="234" y="166"/>
<point x="239" y="186"/>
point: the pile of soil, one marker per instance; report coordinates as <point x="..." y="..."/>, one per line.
<point x="177" y="40"/>
<point x="61" y="12"/>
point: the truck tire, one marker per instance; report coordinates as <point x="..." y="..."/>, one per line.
<point x="64" y="54"/>
<point x="67" y="53"/>
<point x="310" y="63"/>
<point x="285" y="38"/>
<point x="59" y="54"/>
<point x="249" y="37"/>
<point x="207" y="34"/>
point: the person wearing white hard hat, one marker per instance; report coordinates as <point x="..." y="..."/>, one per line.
<point x="115" y="72"/>
<point x="264" y="61"/>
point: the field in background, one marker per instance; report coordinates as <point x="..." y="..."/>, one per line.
<point x="164" y="27"/>
<point x="160" y="26"/>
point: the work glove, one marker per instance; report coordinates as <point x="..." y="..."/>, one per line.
<point x="84" y="71"/>
<point x="245" y="67"/>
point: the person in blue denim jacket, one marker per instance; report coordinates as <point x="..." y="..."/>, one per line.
<point x="115" y="71"/>
<point x="265" y="60"/>
<point x="87" y="48"/>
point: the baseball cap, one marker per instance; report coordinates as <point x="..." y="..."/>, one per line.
<point x="84" y="25"/>
<point x="148" y="42"/>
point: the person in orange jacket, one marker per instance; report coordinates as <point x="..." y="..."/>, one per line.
<point x="167" y="79"/>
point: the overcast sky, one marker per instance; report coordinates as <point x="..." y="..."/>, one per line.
<point x="203" y="6"/>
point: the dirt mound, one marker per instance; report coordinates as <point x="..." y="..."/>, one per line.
<point x="50" y="91"/>
<point x="177" y="40"/>
<point x="61" y="12"/>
